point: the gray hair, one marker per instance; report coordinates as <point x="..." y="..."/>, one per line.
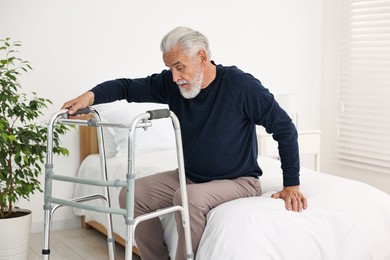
<point x="190" y="40"/>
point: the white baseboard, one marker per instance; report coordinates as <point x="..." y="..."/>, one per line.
<point x="75" y="222"/>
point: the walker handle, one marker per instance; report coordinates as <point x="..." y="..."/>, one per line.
<point x="159" y="113"/>
<point x="82" y="111"/>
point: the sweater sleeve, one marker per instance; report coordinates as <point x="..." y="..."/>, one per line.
<point x="150" y="89"/>
<point x="260" y="106"/>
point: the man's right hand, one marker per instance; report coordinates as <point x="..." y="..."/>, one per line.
<point x="80" y="102"/>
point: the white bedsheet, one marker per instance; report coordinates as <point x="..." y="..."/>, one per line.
<point x="345" y="220"/>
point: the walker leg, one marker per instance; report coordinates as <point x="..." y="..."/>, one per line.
<point x="46" y="242"/>
<point x="187" y="236"/>
<point x="103" y="166"/>
<point x="129" y="241"/>
<point x="183" y="189"/>
<point x="187" y="231"/>
<point x="111" y="248"/>
<point x="110" y="238"/>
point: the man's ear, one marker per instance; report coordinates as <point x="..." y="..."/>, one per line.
<point x="203" y="56"/>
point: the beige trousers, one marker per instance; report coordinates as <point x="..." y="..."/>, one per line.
<point x="161" y="190"/>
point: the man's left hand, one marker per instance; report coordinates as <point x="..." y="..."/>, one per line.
<point x="293" y="198"/>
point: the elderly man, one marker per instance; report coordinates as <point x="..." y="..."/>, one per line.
<point x="218" y="108"/>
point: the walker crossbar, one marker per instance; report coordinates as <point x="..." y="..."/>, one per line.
<point x="93" y="123"/>
<point x="80" y="199"/>
<point x="157" y="213"/>
<point x="140" y="121"/>
<point x="115" y="183"/>
<point x="87" y="206"/>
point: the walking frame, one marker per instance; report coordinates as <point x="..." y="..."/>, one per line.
<point x="52" y="203"/>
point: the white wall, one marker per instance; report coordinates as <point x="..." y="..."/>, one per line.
<point x="74" y="45"/>
<point x="331" y="30"/>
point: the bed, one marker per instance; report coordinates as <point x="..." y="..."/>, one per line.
<point x="345" y="219"/>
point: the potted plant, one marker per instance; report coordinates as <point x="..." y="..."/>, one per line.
<point x="22" y="146"/>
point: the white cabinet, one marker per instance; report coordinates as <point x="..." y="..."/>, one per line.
<point x="309" y="143"/>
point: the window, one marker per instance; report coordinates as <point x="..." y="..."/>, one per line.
<point x="364" y="85"/>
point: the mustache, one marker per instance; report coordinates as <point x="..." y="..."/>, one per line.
<point x="181" y="82"/>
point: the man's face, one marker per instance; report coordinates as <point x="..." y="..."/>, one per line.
<point x="186" y="71"/>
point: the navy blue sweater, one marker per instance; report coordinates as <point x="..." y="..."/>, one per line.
<point x="218" y="125"/>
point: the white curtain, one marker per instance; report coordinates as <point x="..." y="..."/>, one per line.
<point x="364" y="85"/>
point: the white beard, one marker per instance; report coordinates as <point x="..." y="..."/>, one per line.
<point x="195" y="86"/>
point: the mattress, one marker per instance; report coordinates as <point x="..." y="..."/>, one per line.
<point x="345" y="219"/>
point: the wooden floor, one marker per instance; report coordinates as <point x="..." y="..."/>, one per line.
<point x="75" y="244"/>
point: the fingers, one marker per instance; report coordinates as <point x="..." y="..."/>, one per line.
<point x="72" y="105"/>
<point x="297" y="205"/>
<point x="294" y="200"/>
<point x="298" y="202"/>
<point x="288" y="202"/>
<point x="73" y="108"/>
<point x="293" y="204"/>
<point x="304" y="201"/>
<point x="80" y="102"/>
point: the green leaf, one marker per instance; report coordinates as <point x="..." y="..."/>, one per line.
<point x="12" y="138"/>
<point x="4" y="136"/>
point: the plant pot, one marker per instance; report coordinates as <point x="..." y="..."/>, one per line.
<point x="15" y="236"/>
